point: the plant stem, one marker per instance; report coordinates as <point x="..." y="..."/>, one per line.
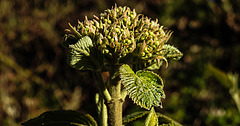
<point x="102" y="87"/>
<point x="115" y="105"/>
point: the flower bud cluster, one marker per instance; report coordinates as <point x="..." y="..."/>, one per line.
<point x="120" y="30"/>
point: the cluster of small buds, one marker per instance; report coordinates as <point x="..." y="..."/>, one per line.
<point x="119" y="31"/>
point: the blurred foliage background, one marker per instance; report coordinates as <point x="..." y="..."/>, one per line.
<point x="34" y="76"/>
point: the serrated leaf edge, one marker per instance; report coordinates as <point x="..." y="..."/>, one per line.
<point x="134" y="116"/>
<point x="130" y="90"/>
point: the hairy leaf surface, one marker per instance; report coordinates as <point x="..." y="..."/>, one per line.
<point x="171" y="52"/>
<point x="83" y="56"/>
<point x="61" y="118"/>
<point x="145" y="88"/>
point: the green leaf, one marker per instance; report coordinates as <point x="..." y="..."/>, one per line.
<point x="229" y="81"/>
<point x="171" y="52"/>
<point x="141" y="114"/>
<point x="169" y="124"/>
<point x="170" y="120"/>
<point x="152" y="119"/>
<point x="133" y="116"/>
<point x="155" y="66"/>
<point x="102" y="110"/>
<point x="145" y="88"/>
<point x="83" y="56"/>
<point x="61" y="118"/>
<point x="68" y="40"/>
<point x="219" y="75"/>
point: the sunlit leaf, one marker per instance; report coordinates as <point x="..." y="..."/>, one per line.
<point x="156" y="65"/>
<point x="152" y="119"/>
<point x="145" y="88"/>
<point x="171" y="52"/>
<point x="83" y="56"/>
<point x="61" y="118"/>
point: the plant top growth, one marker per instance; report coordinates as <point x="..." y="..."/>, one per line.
<point x="127" y="46"/>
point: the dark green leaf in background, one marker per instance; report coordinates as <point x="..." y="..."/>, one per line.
<point x="61" y="118"/>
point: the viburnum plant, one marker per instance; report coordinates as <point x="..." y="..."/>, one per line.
<point x="127" y="46"/>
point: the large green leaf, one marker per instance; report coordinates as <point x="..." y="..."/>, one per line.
<point x="61" y="118"/>
<point x="145" y="88"/>
<point x="152" y="119"/>
<point x="83" y="56"/>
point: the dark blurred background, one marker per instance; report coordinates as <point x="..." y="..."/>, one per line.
<point x="34" y="75"/>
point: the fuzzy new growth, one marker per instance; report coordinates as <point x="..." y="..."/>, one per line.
<point x="120" y="31"/>
<point x="119" y="48"/>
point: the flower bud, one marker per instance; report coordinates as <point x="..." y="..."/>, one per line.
<point x="124" y="31"/>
